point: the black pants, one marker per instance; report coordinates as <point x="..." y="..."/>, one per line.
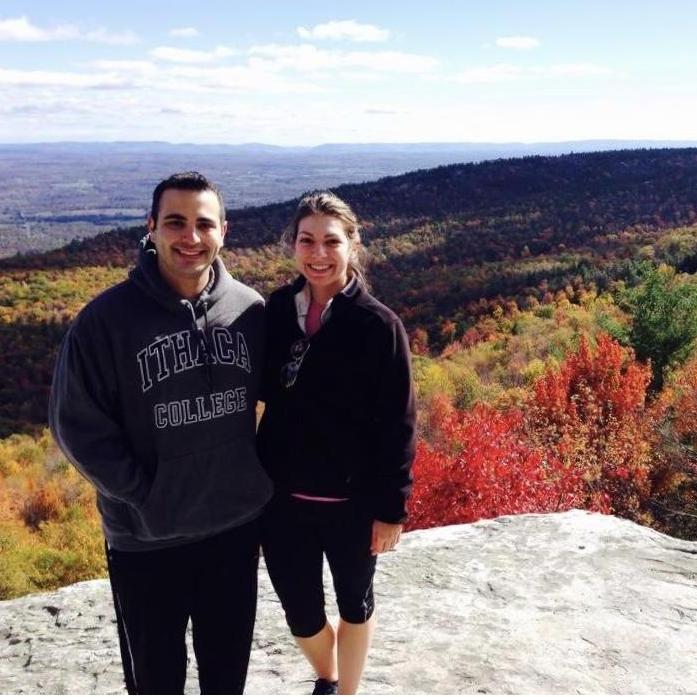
<point x="296" y="536"/>
<point x="213" y="582"/>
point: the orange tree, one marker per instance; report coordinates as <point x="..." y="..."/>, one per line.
<point x="591" y="415"/>
<point x="676" y="408"/>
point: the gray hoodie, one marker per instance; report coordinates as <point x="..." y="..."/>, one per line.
<point x="153" y="400"/>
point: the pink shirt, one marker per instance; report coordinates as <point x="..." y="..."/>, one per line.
<point x="313" y="321"/>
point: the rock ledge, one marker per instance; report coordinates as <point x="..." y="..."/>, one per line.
<point x="563" y="603"/>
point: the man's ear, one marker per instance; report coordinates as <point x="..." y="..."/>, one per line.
<point x="225" y="228"/>
<point x="151" y="224"/>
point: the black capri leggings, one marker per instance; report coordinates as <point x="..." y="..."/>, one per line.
<point x="295" y="536"/>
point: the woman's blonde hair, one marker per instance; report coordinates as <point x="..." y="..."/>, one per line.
<point x="328" y="203"/>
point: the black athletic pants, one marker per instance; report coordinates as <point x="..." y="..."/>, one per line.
<point x="296" y="535"/>
<point x="213" y="582"/>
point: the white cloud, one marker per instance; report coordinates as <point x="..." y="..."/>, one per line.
<point x="518" y="42"/>
<point x="505" y="72"/>
<point x="348" y="30"/>
<point x="101" y="36"/>
<point x="47" y="78"/>
<point x="184" y="32"/>
<point x="308" y="58"/>
<point x="49" y="106"/>
<point x="241" y="78"/>
<point x="64" y="115"/>
<point x="490" y="73"/>
<point x="125" y="65"/>
<point x="381" y="111"/>
<point x="166" y="77"/>
<point x="21" y="29"/>
<point x="185" y="55"/>
<point x="393" y="62"/>
<point x="359" y="75"/>
<point x="577" y="70"/>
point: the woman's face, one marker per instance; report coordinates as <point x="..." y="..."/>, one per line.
<point x="322" y="252"/>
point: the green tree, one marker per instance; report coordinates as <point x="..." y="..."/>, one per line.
<point x="664" y="325"/>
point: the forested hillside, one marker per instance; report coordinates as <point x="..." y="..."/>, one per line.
<point x="448" y="245"/>
<point x="552" y="308"/>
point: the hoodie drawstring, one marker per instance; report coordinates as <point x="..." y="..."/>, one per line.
<point x="202" y="336"/>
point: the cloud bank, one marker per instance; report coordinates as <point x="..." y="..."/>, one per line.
<point x="518" y="42"/>
<point x="344" y="30"/>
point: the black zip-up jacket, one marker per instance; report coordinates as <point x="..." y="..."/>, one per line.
<point x="346" y="427"/>
<point x="153" y="400"/>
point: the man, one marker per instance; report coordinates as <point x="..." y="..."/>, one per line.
<point x="153" y="400"/>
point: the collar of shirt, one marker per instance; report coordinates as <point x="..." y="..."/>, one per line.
<point x="303" y="298"/>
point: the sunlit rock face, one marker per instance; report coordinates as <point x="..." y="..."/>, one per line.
<point x="561" y="603"/>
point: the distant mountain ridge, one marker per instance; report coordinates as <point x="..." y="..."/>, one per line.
<point x="564" y="199"/>
<point x="507" y="149"/>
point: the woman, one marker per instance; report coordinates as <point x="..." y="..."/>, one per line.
<point x="337" y="438"/>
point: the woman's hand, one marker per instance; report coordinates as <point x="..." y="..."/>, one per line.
<point x="385" y="537"/>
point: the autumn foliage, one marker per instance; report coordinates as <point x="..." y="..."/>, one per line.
<point x="504" y="273"/>
<point x="683" y="394"/>
<point x="591" y="415"/>
<point x="583" y="440"/>
<point x="49" y="527"/>
<point x="482" y="466"/>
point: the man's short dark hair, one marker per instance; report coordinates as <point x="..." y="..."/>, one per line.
<point x="186" y="181"/>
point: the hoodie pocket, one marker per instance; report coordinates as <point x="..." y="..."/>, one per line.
<point x="204" y="492"/>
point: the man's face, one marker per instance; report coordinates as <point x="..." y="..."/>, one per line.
<point x="188" y="235"/>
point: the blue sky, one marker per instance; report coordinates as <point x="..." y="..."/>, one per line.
<point x="311" y="72"/>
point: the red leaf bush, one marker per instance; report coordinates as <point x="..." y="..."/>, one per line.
<point x="482" y="467"/>
<point x="584" y="440"/>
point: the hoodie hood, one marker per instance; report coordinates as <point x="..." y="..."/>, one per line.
<point x="146" y="275"/>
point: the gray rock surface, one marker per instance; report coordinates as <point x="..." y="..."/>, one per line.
<point x="563" y="603"/>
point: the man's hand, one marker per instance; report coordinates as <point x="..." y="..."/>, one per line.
<point x="385" y="537"/>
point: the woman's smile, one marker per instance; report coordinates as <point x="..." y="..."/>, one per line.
<point x="322" y="251"/>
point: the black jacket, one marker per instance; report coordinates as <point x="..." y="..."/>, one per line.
<point x="153" y="400"/>
<point x="346" y="427"/>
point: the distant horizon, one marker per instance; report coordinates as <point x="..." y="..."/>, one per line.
<point x="358" y="143"/>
